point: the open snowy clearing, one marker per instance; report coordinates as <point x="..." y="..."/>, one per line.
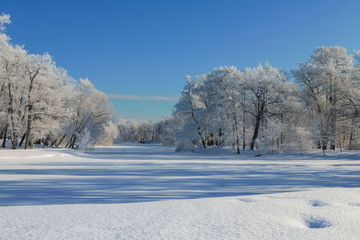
<point x="60" y="194"/>
<point x="322" y="214"/>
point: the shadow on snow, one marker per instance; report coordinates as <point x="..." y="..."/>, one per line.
<point x="149" y="173"/>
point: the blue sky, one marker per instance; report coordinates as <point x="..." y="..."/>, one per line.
<point x="145" y="48"/>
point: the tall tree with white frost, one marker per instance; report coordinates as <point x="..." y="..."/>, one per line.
<point x="266" y="89"/>
<point x="11" y="89"/>
<point x="327" y="79"/>
<point x="191" y="110"/>
<point x="91" y="110"/>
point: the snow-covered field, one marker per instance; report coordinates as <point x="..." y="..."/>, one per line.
<point x="152" y="192"/>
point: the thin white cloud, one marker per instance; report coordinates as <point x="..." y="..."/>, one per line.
<point x="141" y="98"/>
<point x="141" y="119"/>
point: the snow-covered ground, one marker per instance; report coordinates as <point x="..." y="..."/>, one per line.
<point x="152" y="192"/>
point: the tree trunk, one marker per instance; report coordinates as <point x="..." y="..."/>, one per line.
<point x="324" y="138"/>
<point x="340" y="144"/>
<point x="322" y="141"/>
<point x="46" y="141"/>
<point x="221" y="141"/>
<point x="53" y="142"/>
<point x="5" y="136"/>
<point x="14" y="140"/>
<point x="68" y="144"/>
<point x="10" y="112"/>
<point x="197" y="123"/>
<point x="61" y="140"/>
<point x="28" y="142"/>
<point x="199" y="129"/>
<point x="351" y="133"/>
<point x="331" y="120"/>
<point x="22" y="139"/>
<point x="256" y="132"/>
<point x="244" y="128"/>
<point x="237" y="135"/>
<point x="28" y="129"/>
<point x="73" y="143"/>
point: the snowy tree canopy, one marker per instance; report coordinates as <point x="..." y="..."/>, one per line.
<point x="40" y="103"/>
<point x="263" y="107"/>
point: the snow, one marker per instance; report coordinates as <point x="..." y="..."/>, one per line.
<point x="151" y="192"/>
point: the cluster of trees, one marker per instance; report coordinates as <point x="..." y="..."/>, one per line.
<point x="40" y="103"/>
<point x="133" y="131"/>
<point x="316" y="106"/>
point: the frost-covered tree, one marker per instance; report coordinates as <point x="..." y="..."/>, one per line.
<point x="210" y="110"/>
<point x="128" y="131"/>
<point x="190" y="112"/>
<point x="322" y="106"/>
<point x="216" y="108"/>
<point x="91" y="110"/>
<point x="85" y="141"/>
<point x="168" y="129"/>
<point x="149" y="131"/>
<point x="221" y="91"/>
<point x="12" y="88"/>
<point x="266" y="90"/>
<point x="108" y="135"/>
<point x="46" y="92"/>
<point x="40" y="103"/>
<point x="328" y="81"/>
<point x="31" y="87"/>
<point x="4" y="19"/>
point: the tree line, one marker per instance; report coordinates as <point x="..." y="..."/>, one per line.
<point x="317" y="105"/>
<point x="40" y="103"/>
<point x="133" y="131"/>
